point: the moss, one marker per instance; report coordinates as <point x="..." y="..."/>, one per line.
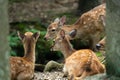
<point x="53" y="65"/>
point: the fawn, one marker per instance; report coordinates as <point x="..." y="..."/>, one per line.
<point x="78" y="63"/>
<point x="22" y="68"/>
<point x="88" y="27"/>
<point x="101" y="43"/>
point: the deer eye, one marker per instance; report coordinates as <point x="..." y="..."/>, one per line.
<point x="53" y="30"/>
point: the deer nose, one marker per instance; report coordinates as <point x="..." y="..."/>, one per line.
<point x="98" y="46"/>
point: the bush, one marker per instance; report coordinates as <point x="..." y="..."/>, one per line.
<point x="43" y="53"/>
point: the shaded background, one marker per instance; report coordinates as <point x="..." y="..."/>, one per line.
<point x="36" y="15"/>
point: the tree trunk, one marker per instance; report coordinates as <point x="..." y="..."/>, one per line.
<point x="113" y="38"/>
<point x="4" y="52"/>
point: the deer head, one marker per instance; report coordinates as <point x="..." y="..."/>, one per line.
<point x="54" y="27"/>
<point x="59" y="41"/>
<point x="28" y="35"/>
<point x="62" y="43"/>
<point x="28" y="39"/>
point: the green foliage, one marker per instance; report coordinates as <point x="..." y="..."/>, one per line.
<point x="71" y="18"/>
<point x="99" y="54"/>
<point x="13" y="42"/>
<point x="43" y="53"/>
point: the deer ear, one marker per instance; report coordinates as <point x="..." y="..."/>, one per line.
<point x="20" y="35"/>
<point x="73" y="33"/>
<point x="57" y="20"/>
<point x="62" y="20"/>
<point x="36" y="35"/>
<point x="62" y="34"/>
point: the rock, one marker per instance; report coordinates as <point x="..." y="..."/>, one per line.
<point x="52" y="65"/>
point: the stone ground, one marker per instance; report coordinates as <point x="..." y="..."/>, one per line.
<point x="57" y="75"/>
<point x="54" y="75"/>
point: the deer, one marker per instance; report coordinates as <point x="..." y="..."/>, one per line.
<point x="22" y="68"/>
<point x="101" y="43"/>
<point x="78" y="63"/>
<point x="88" y="27"/>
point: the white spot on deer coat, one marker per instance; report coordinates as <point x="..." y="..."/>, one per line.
<point x="88" y="19"/>
<point x="84" y="22"/>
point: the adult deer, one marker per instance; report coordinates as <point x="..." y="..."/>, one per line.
<point x="78" y="63"/>
<point x="22" y="68"/>
<point x="88" y="27"/>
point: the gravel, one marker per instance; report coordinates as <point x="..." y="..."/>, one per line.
<point x="55" y="75"/>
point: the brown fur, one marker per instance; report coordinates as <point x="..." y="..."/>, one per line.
<point x="63" y="45"/>
<point x="83" y="63"/>
<point x="101" y="44"/>
<point x="88" y="26"/>
<point x="80" y="63"/>
<point x="22" y="68"/>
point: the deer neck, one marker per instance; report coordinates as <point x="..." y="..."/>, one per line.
<point x="29" y="52"/>
<point x="67" y="49"/>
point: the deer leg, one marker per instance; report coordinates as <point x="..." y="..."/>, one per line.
<point x="72" y="74"/>
<point x="94" y="70"/>
<point x="85" y="74"/>
<point x="93" y="41"/>
<point x="98" y="67"/>
<point x="65" y="71"/>
<point x="71" y="77"/>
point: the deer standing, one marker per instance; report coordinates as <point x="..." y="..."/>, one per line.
<point x="80" y="63"/>
<point x="87" y="27"/>
<point x="22" y="68"/>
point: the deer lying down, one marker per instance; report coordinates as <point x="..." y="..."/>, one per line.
<point x="88" y="27"/>
<point x="80" y="63"/>
<point x="22" y="68"/>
